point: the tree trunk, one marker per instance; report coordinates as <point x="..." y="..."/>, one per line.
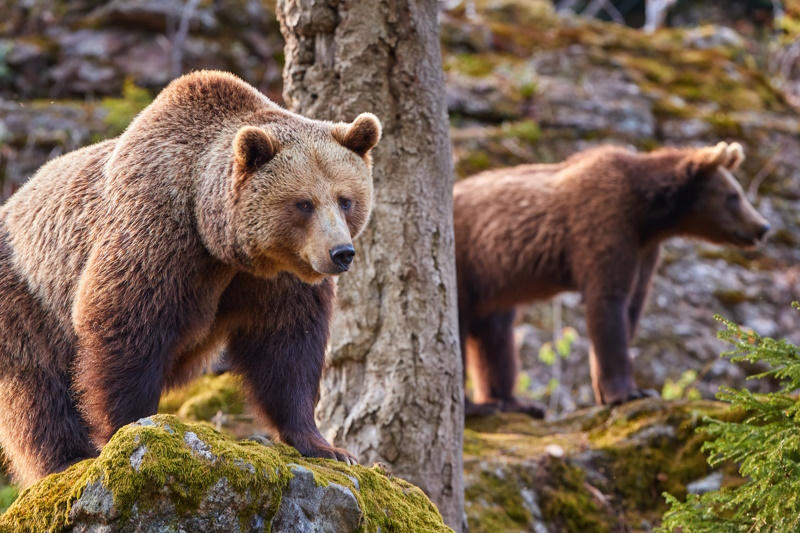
<point x="393" y="388"/>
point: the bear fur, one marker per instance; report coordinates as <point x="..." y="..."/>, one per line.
<point x="215" y="220"/>
<point x="593" y="224"/>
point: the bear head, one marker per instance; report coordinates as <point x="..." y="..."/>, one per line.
<point x="718" y="210"/>
<point x="302" y="194"/>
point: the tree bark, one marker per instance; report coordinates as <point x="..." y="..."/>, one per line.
<point x="393" y="388"/>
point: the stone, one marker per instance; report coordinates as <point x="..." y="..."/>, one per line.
<point x="709" y="483"/>
<point x="196" y="479"/>
<point x="307" y="507"/>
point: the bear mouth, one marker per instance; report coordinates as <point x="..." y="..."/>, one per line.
<point x="744" y="240"/>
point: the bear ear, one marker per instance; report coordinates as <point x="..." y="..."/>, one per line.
<point x="706" y="160"/>
<point x="361" y="136"/>
<point x="252" y="147"/>
<point x="735" y="154"/>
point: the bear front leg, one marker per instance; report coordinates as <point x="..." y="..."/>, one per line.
<point x="611" y="364"/>
<point x="648" y="263"/>
<point x="280" y="352"/>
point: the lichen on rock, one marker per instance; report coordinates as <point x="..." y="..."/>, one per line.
<point x="162" y="474"/>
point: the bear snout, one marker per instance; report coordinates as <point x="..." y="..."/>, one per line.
<point x="762" y="231"/>
<point x="342" y="255"/>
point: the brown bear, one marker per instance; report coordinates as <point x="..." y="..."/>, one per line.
<point x="216" y="219"/>
<point x="593" y="224"/>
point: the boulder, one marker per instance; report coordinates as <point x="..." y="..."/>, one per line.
<point x="162" y="474"/>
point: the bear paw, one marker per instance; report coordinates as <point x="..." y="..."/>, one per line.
<point x="635" y="394"/>
<point x="530" y="408"/>
<point x="477" y="410"/>
<point x="326" y="451"/>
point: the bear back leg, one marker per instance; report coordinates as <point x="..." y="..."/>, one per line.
<point x="41" y="430"/>
<point x="494" y="364"/>
<point x="491" y="358"/>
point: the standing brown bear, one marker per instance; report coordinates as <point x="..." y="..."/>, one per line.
<point x="592" y="224"/>
<point x="217" y="218"/>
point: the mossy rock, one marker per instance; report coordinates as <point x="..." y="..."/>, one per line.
<point x="593" y="470"/>
<point x="161" y="474"/>
<point x="205" y="397"/>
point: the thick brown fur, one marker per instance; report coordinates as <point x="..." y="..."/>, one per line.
<point x="592" y="224"/>
<point x="126" y="265"/>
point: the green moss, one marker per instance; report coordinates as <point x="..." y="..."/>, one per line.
<point x="503" y="508"/>
<point x="635" y="452"/>
<point x="121" y="111"/>
<point x="169" y="464"/>
<point x="734" y="257"/>
<point x="567" y="502"/>
<point x="659" y="64"/>
<point x="525" y="130"/>
<point x="724" y="125"/>
<point x="477" y="65"/>
<point x="473" y="163"/>
<point x="666" y="460"/>
<point x="785" y="237"/>
<point x="203" y="398"/>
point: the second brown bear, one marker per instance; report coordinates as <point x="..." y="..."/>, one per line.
<point x="592" y="224"/>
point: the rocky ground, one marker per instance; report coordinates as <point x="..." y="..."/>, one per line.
<point x="595" y="469"/>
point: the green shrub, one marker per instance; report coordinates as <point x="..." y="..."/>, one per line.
<point x="765" y="444"/>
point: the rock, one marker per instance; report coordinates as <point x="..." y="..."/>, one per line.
<point x="706" y="37"/>
<point x="609" y="474"/>
<point x="154" y="15"/>
<point x="308" y="507"/>
<point x="709" y="483"/>
<point x="161" y="474"/>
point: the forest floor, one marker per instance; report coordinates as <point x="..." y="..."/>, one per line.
<point x="596" y="469"/>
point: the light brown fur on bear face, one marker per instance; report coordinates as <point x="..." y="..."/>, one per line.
<point x="310" y="197"/>
<point x="592" y="224"/>
<point x="125" y="265"/>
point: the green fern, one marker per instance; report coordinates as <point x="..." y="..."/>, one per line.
<point x="766" y="445"/>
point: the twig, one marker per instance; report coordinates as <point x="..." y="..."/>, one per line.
<point x="766" y="170"/>
<point x="555" y="394"/>
<point x="604" y="5"/>
<point x="655" y="13"/>
<point x="179" y="39"/>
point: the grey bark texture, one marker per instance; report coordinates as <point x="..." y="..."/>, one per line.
<point x="393" y="388"/>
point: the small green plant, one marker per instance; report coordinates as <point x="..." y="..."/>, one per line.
<point x="551" y="354"/>
<point x="765" y="444"/>
<point x="676" y="390"/>
<point x="562" y="347"/>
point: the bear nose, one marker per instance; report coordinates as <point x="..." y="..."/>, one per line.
<point x="342" y="255"/>
<point x="763" y="231"/>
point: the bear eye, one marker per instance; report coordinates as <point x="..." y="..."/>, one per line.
<point x="345" y="203"/>
<point x="305" y="206"/>
<point x="732" y="198"/>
